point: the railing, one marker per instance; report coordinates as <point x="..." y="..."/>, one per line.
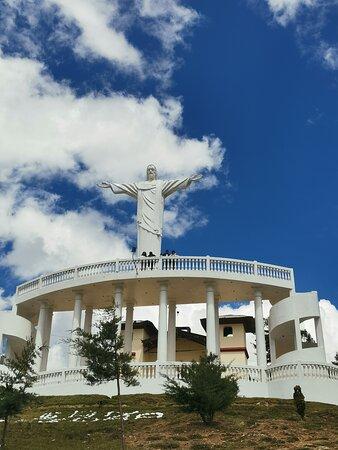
<point x="170" y="263"/>
<point x="146" y="371"/>
<point x="300" y="369"/>
<point x="173" y="370"/>
<point x="315" y="370"/>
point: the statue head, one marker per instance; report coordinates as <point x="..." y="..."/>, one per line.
<point x="151" y="172"/>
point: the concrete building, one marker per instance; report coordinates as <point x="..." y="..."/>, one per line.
<point x="168" y="281"/>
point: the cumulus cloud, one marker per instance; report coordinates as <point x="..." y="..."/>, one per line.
<point x="97" y="37"/>
<point x="6" y="302"/>
<point x="47" y="129"/>
<point x="99" y="29"/>
<point x="44" y="240"/>
<point x="286" y="10"/>
<point x="48" y="132"/>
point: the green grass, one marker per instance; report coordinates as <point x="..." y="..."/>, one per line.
<point x="248" y="424"/>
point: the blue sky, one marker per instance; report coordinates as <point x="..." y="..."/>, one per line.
<point x="244" y="92"/>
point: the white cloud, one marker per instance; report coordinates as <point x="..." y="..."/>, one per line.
<point x="168" y="20"/>
<point x="6" y="302"/>
<point x="44" y="240"/>
<point x="177" y="224"/>
<point x="95" y="29"/>
<point x="97" y="36"/>
<point x="285" y="11"/>
<point x="47" y="129"/>
<point x="330" y="57"/>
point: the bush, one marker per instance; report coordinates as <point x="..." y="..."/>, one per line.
<point x="203" y="388"/>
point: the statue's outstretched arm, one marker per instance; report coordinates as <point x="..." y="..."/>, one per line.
<point x="129" y="189"/>
<point x="172" y="186"/>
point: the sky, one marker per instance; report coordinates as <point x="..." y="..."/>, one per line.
<point x="243" y="92"/>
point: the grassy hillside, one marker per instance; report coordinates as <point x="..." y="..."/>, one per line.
<point x="90" y="422"/>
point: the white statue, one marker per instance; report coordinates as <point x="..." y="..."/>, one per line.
<point x="150" y="197"/>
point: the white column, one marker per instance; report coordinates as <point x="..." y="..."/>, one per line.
<point x="260" y="335"/>
<point x="319" y="332"/>
<point x="128" y="330"/>
<point x="40" y="335"/>
<point x="87" y="326"/>
<point x="162" y="324"/>
<point x="218" y="350"/>
<point x="211" y="329"/>
<point x="298" y="335"/>
<point x="118" y="300"/>
<point x="272" y="349"/>
<point x="46" y="345"/>
<point x="74" y="360"/>
<point x="172" y="332"/>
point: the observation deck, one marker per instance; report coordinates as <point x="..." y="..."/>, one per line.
<point x="234" y="280"/>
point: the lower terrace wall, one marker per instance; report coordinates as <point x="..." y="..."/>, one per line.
<point x="319" y="382"/>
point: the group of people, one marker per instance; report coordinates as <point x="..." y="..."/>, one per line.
<point x="167" y="263"/>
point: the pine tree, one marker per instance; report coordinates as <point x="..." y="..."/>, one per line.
<point x="14" y="382"/>
<point x="203" y="388"/>
<point x="104" y="357"/>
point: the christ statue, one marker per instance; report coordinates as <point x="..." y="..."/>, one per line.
<point x="150" y="197"/>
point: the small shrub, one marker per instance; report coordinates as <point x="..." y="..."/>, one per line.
<point x="203" y="388"/>
<point x="299" y="401"/>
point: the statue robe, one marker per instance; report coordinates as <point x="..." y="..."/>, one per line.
<point x="150" y="197"/>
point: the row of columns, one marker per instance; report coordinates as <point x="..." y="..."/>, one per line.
<point x="166" y="342"/>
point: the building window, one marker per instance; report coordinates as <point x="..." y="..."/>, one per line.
<point x="228" y="332"/>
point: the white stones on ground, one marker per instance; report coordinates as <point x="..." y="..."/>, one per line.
<point x="91" y="416"/>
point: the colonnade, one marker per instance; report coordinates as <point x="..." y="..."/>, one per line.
<point x="166" y="342"/>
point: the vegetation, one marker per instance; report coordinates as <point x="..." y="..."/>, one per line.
<point x="335" y="362"/>
<point x="203" y="388"/>
<point x="250" y="423"/>
<point x="14" y="383"/>
<point x="299" y="400"/>
<point x="104" y="357"/>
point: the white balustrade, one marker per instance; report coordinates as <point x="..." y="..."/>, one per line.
<point x="282" y="372"/>
<point x="163" y="264"/>
<point x="173" y="370"/>
<point x="315" y="370"/>
<point x="58" y="277"/>
<point x="245" y="373"/>
<point x="280" y="273"/>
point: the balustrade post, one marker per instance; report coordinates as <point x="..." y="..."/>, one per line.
<point x="255" y="268"/>
<point x="208" y="263"/>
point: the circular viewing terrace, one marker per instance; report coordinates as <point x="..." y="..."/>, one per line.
<point x="233" y="280"/>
